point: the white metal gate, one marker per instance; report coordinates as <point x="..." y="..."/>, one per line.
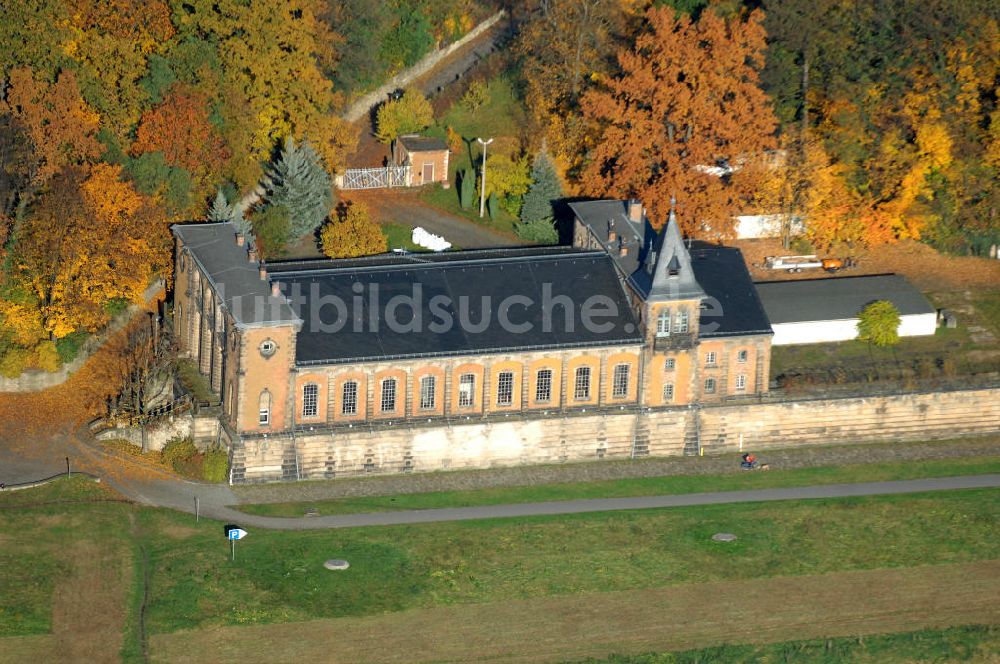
<point x="376" y="178"/>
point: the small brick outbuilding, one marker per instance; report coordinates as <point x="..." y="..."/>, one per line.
<point x="427" y="158"/>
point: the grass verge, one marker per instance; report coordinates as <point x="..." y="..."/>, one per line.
<point x="278" y="577"/>
<point x="975" y="643"/>
<point x="648" y="486"/>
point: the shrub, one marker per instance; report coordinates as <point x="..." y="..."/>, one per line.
<point x="69" y="346"/>
<point x="178" y="450"/>
<point x="539" y="232"/>
<point x="14" y="362"/>
<point x="215" y="466"/>
<point x="476" y="95"/>
<point x="801" y="245"/>
<point x="273" y="230"/>
<point x="47" y="356"/>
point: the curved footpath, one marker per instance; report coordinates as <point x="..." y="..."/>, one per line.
<point x="216" y="501"/>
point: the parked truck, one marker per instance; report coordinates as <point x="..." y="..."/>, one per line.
<point x="806" y="262"/>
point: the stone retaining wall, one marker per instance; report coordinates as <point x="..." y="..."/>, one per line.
<point x="362" y="450"/>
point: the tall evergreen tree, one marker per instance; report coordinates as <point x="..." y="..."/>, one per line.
<point x="220" y="209"/>
<point x="545" y="188"/>
<point x="299" y="183"/>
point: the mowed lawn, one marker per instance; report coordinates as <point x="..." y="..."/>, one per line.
<point x="644" y="486"/>
<point x="79" y="569"/>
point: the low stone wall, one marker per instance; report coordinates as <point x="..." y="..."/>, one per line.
<point x="407" y="76"/>
<point x="203" y="430"/>
<point x="723" y="428"/>
<point x="919" y="416"/>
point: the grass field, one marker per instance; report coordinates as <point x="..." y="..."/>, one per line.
<point x="502" y="117"/>
<point x="648" y="486"/>
<point x="973" y="643"/>
<point x="91" y="562"/>
<point x="399" y="236"/>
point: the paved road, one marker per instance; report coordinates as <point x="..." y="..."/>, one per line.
<point x="216" y="501"/>
<point x="407" y="208"/>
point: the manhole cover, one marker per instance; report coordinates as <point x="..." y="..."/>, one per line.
<point x="312" y="511"/>
<point x="724" y="537"/>
<point x="336" y="564"/>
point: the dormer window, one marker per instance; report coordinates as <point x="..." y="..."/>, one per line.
<point x="674" y="266"/>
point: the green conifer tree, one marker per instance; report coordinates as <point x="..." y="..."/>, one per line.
<point x="220" y="210"/>
<point x="299" y="183"/>
<point x="545" y="188"/>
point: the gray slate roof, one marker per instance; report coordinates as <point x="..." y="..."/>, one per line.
<point x="423" y="143"/>
<point x="838" y="298"/>
<point x="716" y="275"/>
<point x="460" y="281"/>
<point x="236" y="279"/>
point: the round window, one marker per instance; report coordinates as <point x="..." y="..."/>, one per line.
<point x="267" y="348"/>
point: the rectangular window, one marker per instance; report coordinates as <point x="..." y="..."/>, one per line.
<point x="543" y="386"/>
<point x="663" y="324"/>
<point x="505" y="388"/>
<point x="349" y="398"/>
<point x="741" y="357"/>
<point x="669" y="364"/>
<point x="681" y="322"/>
<point x="310" y="400"/>
<point x="668" y="393"/>
<point x="466" y="390"/>
<point x="709" y="386"/>
<point x="710" y="358"/>
<point x="741" y="382"/>
<point x="388" y="395"/>
<point x="619" y="383"/>
<point x="427" y="392"/>
<point x="265" y="415"/>
<point x="581" y="388"/>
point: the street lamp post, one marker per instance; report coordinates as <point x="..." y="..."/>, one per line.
<point x="482" y="184"/>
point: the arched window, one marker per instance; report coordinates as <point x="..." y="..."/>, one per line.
<point x="427" y="384"/>
<point x="663" y="323"/>
<point x="310" y="400"/>
<point x="265" y="408"/>
<point x="349" y="398"/>
<point x="466" y="390"/>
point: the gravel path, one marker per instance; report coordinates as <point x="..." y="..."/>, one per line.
<point x="611" y="470"/>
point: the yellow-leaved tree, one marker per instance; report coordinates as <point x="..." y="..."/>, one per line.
<point x="91" y="238"/>
<point x="352" y="233"/>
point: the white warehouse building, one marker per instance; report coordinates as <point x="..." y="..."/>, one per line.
<point x="821" y="310"/>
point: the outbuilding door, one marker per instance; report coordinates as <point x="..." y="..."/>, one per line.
<point x="427" y="173"/>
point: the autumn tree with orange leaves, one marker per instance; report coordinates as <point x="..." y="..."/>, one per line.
<point x="91" y="238"/>
<point x="687" y="102"/>
<point x="179" y="128"/>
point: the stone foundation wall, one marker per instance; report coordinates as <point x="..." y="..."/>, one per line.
<point x="344" y="452"/>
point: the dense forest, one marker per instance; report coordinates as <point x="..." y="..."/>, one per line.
<point x="874" y="120"/>
<point x="118" y="117"/>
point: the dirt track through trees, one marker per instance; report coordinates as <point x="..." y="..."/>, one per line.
<point x="661" y="619"/>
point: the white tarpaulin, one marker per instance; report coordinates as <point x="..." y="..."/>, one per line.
<point x="422" y="238"/>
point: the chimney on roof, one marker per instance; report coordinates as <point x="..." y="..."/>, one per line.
<point x="622" y="248"/>
<point x="263" y="272"/>
<point x="275" y="289"/>
<point x="240" y="239"/>
<point x="612" y="234"/>
<point x="252" y="254"/>
<point x="635" y="210"/>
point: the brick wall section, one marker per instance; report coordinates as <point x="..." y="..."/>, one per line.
<point x="608" y="434"/>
